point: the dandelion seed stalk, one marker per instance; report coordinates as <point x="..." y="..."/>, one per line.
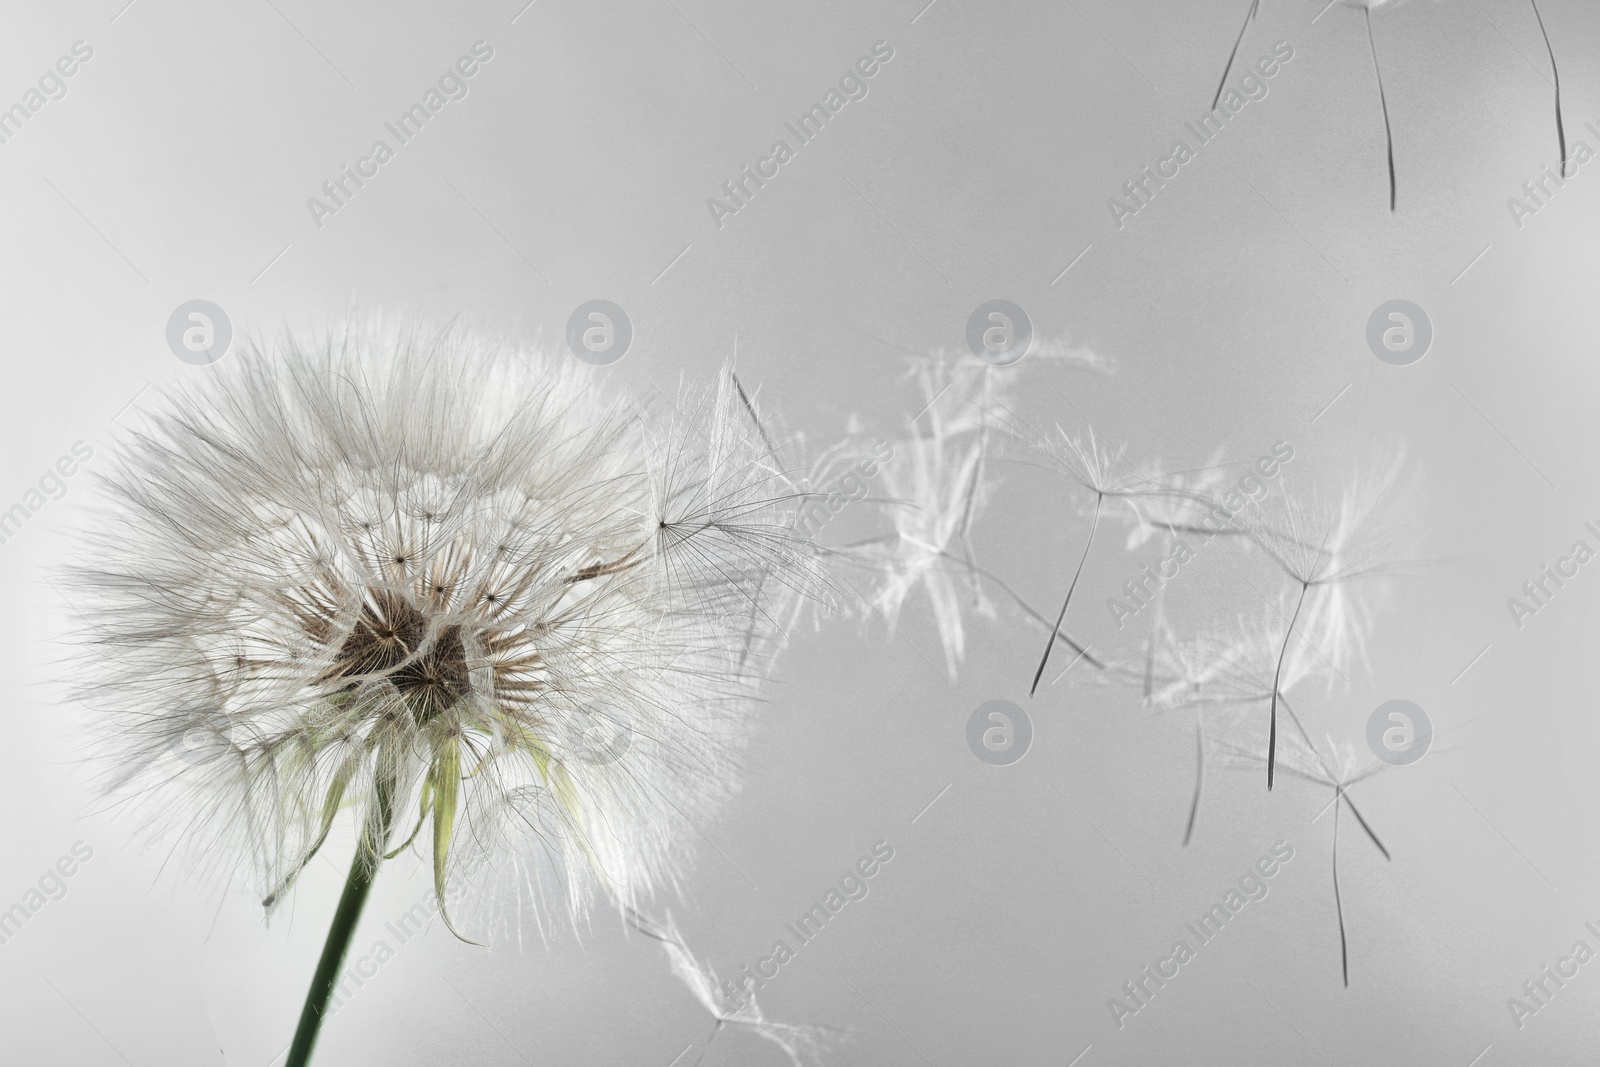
<point x="1277" y="676"/>
<point x="1338" y="904"/>
<point x="1383" y="100"/>
<point x="1561" y="129"/>
<point x="1099" y="498"/>
<point x="1255" y="5"/>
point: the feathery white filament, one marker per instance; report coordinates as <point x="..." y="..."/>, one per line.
<point x="541" y="611"/>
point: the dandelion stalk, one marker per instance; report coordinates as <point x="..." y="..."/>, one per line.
<point x="1561" y="130"/>
<point x="358" y="885"/>
<point x="1249" y="18"/>
<point x="1388" y="136"/>
<point x="1050" y="645"/>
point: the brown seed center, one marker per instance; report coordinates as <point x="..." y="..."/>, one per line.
<point x="392" y="639"/>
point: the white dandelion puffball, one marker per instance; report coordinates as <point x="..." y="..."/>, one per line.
<point x="436" y="581"/>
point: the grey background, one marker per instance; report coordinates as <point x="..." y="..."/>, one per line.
<point x="177" y="167"/>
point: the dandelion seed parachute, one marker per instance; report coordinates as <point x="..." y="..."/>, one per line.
<point x="430" y="568"/>
<point x="936" y="476"/>
<point x="801" y="1044"/>
<point x="1336" y="767"/>
<point x="939" y="482"/>
<point x="1321" y="553"/>
<point x="943" y="479"/>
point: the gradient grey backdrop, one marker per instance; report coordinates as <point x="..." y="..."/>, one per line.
<point x="177" y="167"/>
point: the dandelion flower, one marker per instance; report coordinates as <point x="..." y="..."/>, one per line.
<point x="401" y="581"/>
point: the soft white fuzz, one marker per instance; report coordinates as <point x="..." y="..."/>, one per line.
<point x="539" y="609"/>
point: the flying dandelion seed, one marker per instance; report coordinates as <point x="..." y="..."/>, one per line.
<point x="397" y="579"/>
<point x="937" y="484"/>
<point x="1321" y="552"/>
<point x="1092" y="467"/>
<point x="799" y="1043"/>
<point x="1366" y="7"/>
<point x="1227" y="680"/>
<point x="1316" y="628"/>
<point x="1319" y="628"/>
<point x="1336" y="768"/>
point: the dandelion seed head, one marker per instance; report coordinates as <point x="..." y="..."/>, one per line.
<point x="538" y="612"/>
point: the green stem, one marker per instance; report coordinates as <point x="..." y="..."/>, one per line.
<point x="357" y="886"/>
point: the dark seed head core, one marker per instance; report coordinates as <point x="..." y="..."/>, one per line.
<point x="386" y="641"/>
